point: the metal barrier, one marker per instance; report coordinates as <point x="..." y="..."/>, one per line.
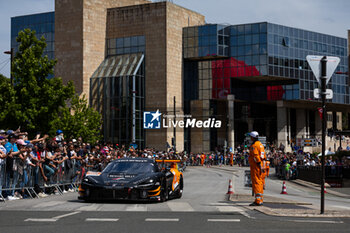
<point x="334" y="174"/>
<point x="29" y="180"/>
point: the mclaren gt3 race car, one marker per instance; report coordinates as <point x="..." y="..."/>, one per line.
<point x="133" y="179"/>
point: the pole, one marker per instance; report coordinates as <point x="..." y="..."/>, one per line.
<point x="174" y="121"/>
<point x="133" y="109"/>
<point x="11" y="52"/>
<point x="323" y="96"/>
<point x="12" y="56"/>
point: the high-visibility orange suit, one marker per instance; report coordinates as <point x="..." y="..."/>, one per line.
<point x="256" y="153"/>
<point x="265" y="169"/>
<point x="202" y="159"/>
<point x="231" y="159"/>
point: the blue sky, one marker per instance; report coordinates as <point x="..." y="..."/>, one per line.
<point x="325" y="16"/>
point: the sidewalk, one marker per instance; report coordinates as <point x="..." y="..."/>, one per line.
<point x="284" y="208"/>
<point x="281" y="206"/>
<point x="340" y="192"/>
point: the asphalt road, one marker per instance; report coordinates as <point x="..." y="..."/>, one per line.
<point x="203" y="208"/>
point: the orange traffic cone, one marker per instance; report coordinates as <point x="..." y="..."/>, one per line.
<point x="230" y="190"/>
<point x="284" y="188"/>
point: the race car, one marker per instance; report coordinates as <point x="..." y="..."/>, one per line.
<point x="134" y="179"/>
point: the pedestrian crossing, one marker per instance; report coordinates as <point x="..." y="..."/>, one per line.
<point x="170" y="206"/>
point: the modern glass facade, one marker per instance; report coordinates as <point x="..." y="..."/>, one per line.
<point x="43" y="24"/>
<point x="126" y="45"/>
<point x="117" y="91"/>
<point x="264" y="62"/>
<point x="208" y="41"/>
<point x="287" y="51"/>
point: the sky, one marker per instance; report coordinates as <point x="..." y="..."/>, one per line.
<point x="324" y="16"/>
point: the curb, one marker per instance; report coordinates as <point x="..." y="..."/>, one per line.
<point x="316" y="187"/>
<point x="269" y="212"/>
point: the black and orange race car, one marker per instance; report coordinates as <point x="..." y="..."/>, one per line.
<point x="134" y="179"/>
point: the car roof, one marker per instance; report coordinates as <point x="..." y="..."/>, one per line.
<point x="136" y="160"/>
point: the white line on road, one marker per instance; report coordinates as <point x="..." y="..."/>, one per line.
<point x="161" y="219"/>
<point x="66" y="215"/>
<point x="102" y="219"/>
<point x="54" y="219"/>
<point x="316" y="221"/>
<point x="224" y="220"/>
<point x="40" y="220"/>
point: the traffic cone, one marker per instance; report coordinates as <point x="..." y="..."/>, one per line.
<point x="284" y="188"/>
<point x="325" y="190"/>
<point x="230" y="190"/>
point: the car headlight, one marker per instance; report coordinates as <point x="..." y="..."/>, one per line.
<point x="89" y="180"/>
<point x="147" y="183"/>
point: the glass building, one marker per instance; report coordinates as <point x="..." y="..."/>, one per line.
<point x="117" y="90"/>
<point x="43" y="24"/>
<point x="259" y="64"/>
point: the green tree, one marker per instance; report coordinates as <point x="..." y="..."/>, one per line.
<point x="38" y="103"/>
<point x="37" y="98"/>
<point x="80" y="121"/>
<point x="7" y="103"/>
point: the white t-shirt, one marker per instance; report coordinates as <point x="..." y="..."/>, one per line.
<point x="3" y="149"/>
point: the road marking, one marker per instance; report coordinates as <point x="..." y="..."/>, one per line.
<point x="161" y="219"/>
<point x="180" y="206"/>
<point x="40" y="220"/>
<point x="224" y="220"/>
<point x="92" y="207"/>
<point x="49" y="204"/>
<point x="102" y="219"/>
<point x="229" y="209"/>
<point x="315" y="221"/>
<point x="136" y="208"/>
<point x="66" y="215"/>
<point x="54" y="219"/>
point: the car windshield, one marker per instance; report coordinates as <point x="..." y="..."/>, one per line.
<point x="130" y="167"/>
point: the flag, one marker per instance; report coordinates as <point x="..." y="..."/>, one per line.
<point x="320" y="111"/>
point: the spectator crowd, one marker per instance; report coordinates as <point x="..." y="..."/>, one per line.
<point x="30" y="167"/>
<point x="43" y="161"/>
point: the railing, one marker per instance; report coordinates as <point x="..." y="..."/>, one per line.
<point x="334" y="175"/>
<point x="29" y="180"/>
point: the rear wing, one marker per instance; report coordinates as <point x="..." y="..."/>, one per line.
<point x="164" y="163"/>
<point x="168" y="160"/>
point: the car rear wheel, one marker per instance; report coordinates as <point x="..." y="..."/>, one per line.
<point x="180" y="190"/>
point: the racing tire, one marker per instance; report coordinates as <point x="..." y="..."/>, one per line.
<point x="164" y="194"/>
<point x="180" y="190"/>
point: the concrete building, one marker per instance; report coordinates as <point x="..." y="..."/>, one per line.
<point x="133" y="56"/>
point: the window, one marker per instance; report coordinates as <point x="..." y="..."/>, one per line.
<point x="286" y="42"/>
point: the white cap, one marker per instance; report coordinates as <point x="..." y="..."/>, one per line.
<point x="254" y="134"/>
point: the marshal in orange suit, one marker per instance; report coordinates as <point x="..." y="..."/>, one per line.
<point x="256" y="155"/>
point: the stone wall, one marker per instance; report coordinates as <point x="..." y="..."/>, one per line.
<point x="161" y="24"/>
<point x="80" y="33"/>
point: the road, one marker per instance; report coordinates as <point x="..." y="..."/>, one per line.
<point x="203" y="208"/>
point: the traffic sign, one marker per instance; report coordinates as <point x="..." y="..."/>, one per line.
<point x="315" y="64"/>
<point x="306" y="142"/>
<point x="329" y="93"/>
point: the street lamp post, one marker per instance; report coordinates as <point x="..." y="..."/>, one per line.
<point x="11" y="54"/>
